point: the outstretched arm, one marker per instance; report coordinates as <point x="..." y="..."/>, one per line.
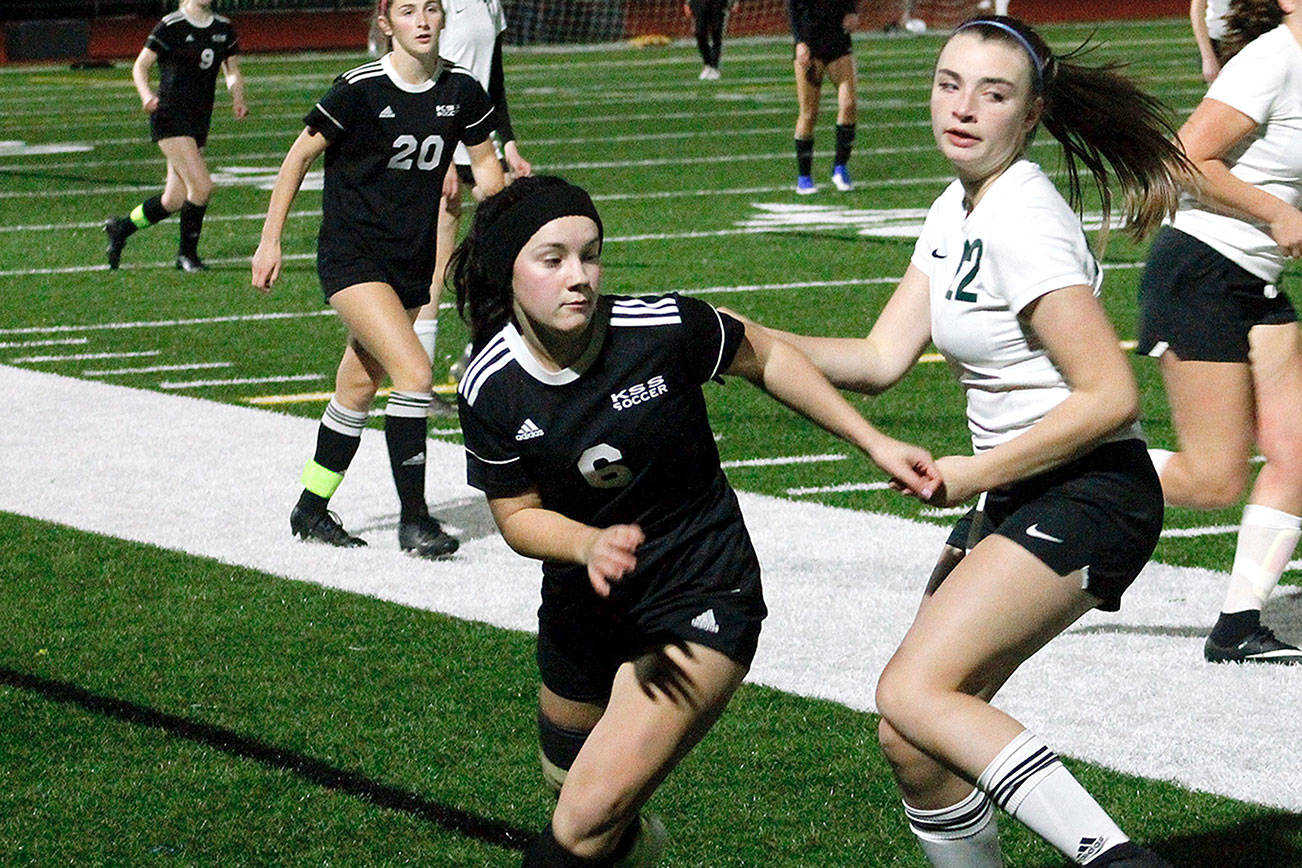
<point x="266" y="259"/>
<point x="536" y="532"/>
<point x="785" y="373"/>
<point x="873" y="364"/>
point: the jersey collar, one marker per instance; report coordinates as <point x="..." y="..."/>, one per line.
<point x="529" y="362"/>
<point x="386" y="63"/>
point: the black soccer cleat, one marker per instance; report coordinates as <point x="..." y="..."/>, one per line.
<point x="116" y="228"/>
<point x="1260" y="646"/>
<point x="424" y="538"/>
<point x="190" y="264"/>
<point x="1128" y="855"/>
<point x="322" y="527"/>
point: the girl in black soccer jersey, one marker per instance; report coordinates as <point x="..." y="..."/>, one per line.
<point x="585" y="425"/>
<point x="822" y="31"/>
<point x="387" y="130"/>
<point x="190" y="46"/>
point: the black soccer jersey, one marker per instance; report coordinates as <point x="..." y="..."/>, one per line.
<point x="390" y="145"/>
<point x="818" y="22"/>
<point x="189" y="59"/>
<point x="625" y="441"/>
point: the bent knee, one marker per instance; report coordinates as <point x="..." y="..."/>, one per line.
<point x="590" y="824"/>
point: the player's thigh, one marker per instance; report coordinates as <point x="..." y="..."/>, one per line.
<point x="996" y="608"/>
<point x="661" y="704"/>
<point x="1276" y="359"/>
<point x="380" y="326"/>
<point x="184" y="155"/>
<point x="1212" y="411"/>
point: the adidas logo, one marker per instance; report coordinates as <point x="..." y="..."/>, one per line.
<point x="413" y="461"/>
<point x="705" y="622"/>
<point x="388" y="112"/>
<point x="189" y="38"/>
<point x="528" y="431"/>
<point x="1088" y="848"/>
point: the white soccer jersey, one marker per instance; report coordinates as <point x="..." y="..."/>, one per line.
<point x="1264" y="82"/>
<point x="470" y="30"/>
<point x="1215" y="18"/>
<point x="1021" y="242"/>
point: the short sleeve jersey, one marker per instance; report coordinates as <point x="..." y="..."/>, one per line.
<point x="1021" y="242"/>
<point x="189" y="58"/>
<point x="1264" y="82"/>
<point x="625" y="440"/>
<point x="390" y="143"/>
<point x="470" y="32"/>
<point x="1215" y="18"/>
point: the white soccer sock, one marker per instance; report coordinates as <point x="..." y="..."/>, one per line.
<point x="339" y="418"/>
<point x="964" y="835"/>
<point x="1028" y="781"/>
<point x="1267" y="538"/>
<point x="427" y="331"/>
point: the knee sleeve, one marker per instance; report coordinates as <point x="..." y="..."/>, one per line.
<point x="557" y="748"/>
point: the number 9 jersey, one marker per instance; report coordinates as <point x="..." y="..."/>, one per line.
<point x="390" y="143"/>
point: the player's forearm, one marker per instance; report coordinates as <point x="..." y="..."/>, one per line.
<point x="547" y="535"/>
<point x="289" y="179"/>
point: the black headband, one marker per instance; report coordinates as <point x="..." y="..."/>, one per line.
<point x="513" y="228"/>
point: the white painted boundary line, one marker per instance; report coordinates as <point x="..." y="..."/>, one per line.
<point x="83" y="357"/>
<point x="241" y="381"/>
<point x="788" y="459"/>
<point x="157" y="369"/>
<point x="841" y="585"/>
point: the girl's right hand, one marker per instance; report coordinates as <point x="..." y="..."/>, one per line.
<point x="266" y="266"/>
<point x="151" y="104"/>
<point x="1287" y="232"/>
<point x="611" y="555"/>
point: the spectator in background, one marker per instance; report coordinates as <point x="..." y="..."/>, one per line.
<point x="190" y="46"/>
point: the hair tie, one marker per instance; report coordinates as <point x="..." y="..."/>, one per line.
<point x="511" y="231"/>
<point x="1021" y="40"/>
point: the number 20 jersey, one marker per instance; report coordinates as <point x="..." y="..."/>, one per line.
<point x="390" y="145"/>
<point x="627" y="440"/>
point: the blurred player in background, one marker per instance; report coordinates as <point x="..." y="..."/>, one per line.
<point x="709" y="19"/>
<point x="472" y="41"/>
<point x="1212" y="311"/>
<point x="190" y="46"/>
<point x="822" y="31"/>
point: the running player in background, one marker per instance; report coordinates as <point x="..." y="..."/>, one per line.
<point x="585" y="426"/>
<point x="709" y="18"/>
<point x="190" y="46"/>
<point x="822" y="31"/>
<point x="1207" y="18"/>
<point x="387" y="129"/>
<point x="472" y="42"/>
<point x="1002" y="280"/>
<point x="1212" y="311"/>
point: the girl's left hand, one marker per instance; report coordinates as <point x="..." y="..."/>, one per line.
<point x="240" y="110"/>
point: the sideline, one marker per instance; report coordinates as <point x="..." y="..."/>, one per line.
<point x="1126" y="690"/>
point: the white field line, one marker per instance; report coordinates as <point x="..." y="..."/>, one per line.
<point x="57" y="342"/>
<point x="837" y="489"/>
<point x="83" y="357"/>
<point x="783" y="460"/>
<point x="162" y="323"/>
<point x="217" y="481"/>
<point x="157" y="369"/>
<point x="241" y="381"/>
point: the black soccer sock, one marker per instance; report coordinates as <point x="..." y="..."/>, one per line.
<point x="147" y="213"/>
<point x="191" y="227"/>
<point x="844" y="143"/>
<point x="545" y="852"/>
<point x="337" y="439"/>
<point x="405" y="427"/>
<point x="1234" y="627"/>
<point x="804" y="156"/>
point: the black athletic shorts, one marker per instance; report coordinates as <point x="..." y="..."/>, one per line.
<point x="1200" y="304"/>
<point x="410" y="278"/>
<point x="829" y="44"/>
<point x="708" y="594"/>
<point x="165" y="125"/>
<point x="1101" y="513"/>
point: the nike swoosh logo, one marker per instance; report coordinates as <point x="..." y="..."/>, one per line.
<point x="1034" y="530"/>
<point x="937" y="254"/>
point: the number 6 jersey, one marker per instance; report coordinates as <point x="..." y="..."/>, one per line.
<point x="390" y="145"/>
<point x="626" y="439"/>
